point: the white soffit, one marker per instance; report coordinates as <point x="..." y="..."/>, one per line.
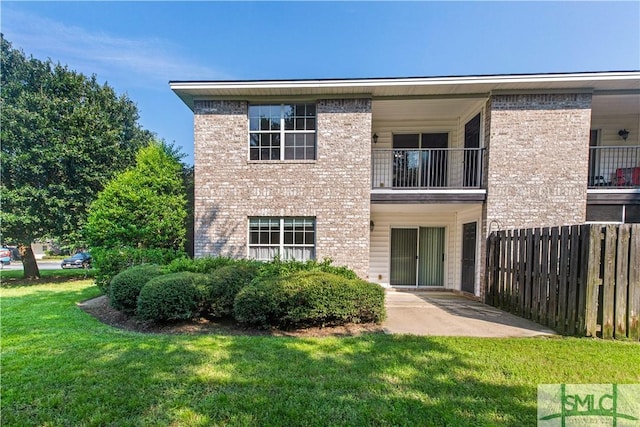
<point x="405" y="87"/>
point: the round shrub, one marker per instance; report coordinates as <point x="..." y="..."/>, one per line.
<point x="327" y="299"/>
<point x="175" y="296"/>
<point x="109" y="262"/>
<point x="309" y="299"/>
<point x="225" y="284"/>
<point x="125" y="286"/>
<point x="263" y="303"/>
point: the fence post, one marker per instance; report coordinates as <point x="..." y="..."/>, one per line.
<point x="521" y="270"/>
<point x="593" y="280"/>
<point x="582" y="278"/>
<point x="489" y="285"/>
<point x="528" y="273"/>
<point x="609" y="281"/>
<point x="563" y="277"/>
<point x="510" y="272"/>
<point x="634" y="284"/>
<point x="535" y="276"/>
<point x="622" y="277"/>
<point x="544" y="277"/>
<point x="501" y="258"/>
<point x="572" y="298"/>
<point x="553" y="276"/>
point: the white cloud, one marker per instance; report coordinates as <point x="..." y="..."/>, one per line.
<point x="143" y="61"/>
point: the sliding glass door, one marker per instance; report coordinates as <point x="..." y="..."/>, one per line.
<point x="420" y="160"/>
<point x="417" y="256"/>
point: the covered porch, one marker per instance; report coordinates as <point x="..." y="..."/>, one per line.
<point x="613" y="193"/>
<point x="426" y="246"/>
<point x="430" y="145"/>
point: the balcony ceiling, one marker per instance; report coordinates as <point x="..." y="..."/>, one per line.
<point x="425" y="208"/>
<point x="421" y="109"/>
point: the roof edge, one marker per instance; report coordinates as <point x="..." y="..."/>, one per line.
<point x="484" y="78"/>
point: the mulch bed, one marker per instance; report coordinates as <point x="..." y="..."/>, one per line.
<point x="101" y="309"/>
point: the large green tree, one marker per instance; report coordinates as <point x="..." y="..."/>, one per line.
<point x="143" y="207"/>
<point x="64" y="136"/>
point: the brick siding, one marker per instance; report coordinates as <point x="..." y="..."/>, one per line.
<point x="537" y="162"/>
<point x="334" y="188"/>
<point x="538" y="158"/>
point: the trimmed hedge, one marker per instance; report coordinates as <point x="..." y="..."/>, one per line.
<point x="225" y="284"/>
<point x="204" y="265"/>
<point x="264" y="303"/>
<point x="110" y="262"/>
<point x="309" y="299"/>
<point x="174" y="296"/>
<point x="126" y="285"/>
<point x="279" y="268"/>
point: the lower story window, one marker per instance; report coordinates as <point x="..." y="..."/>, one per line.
<point x="289" y="238"/>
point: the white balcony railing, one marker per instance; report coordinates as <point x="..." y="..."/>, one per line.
<point x="429" y="168"/>
<point x="615" y="167"/>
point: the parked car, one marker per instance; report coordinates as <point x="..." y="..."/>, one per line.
<point x="79" y="260"/>
<point x="5" y="256"/>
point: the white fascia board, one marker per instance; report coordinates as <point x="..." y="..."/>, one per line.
<point x="412" y="81"/>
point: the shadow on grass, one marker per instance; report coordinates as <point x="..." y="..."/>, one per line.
<point x="72" y="370"/>
<point x="371" y="380"/>
<point x="14" y="278"/>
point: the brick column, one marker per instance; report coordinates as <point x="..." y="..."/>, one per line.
<point x="537" y="161"/>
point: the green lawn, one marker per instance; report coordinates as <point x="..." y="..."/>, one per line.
<point x="9" y="278"/>
<point x="62" y="367"/>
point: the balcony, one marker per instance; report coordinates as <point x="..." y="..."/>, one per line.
<point x="429" y="174"/>
<point x="614" y="168"/>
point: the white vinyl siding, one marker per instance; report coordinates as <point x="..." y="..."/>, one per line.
<point x="450" y="217"/>
<point x="609" y="126"/>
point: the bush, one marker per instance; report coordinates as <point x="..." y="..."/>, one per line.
<point x="309" y="299"/>
<point x="326" y="299"/>
<point x="109" y="262"/>
<point x="204" y="265"/>
<point x="225" y="284"/>
<point x="279" y="268"/>
<point x="263" y="303"/>
<point x="126" y="285"/>
<point x="175" y="296"/>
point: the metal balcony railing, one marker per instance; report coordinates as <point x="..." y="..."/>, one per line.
<point x="428" y="168"/>
<point x="615" y="167"/>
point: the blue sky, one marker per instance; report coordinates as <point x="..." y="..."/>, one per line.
<point x="137" y="47"/>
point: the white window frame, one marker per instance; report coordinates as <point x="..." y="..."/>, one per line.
<point x="283" y="132"/>
<point x="281" y="244"/>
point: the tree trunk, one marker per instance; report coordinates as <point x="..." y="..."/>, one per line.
<point x="31" y="270"/>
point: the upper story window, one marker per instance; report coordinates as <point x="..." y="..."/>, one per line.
<point x="282" y="132"/>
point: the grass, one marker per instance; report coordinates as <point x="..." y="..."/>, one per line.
<point x="11" y="278"/>
<point x="60" y="366"/>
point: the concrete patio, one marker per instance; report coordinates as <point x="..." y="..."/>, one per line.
<point x="448" y="314"/>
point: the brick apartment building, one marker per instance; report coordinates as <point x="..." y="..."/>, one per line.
<point x="402" y="179"/>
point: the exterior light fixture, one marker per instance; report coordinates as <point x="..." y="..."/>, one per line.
<point x="375" y="138"/>
<point x="623" y="133"/>
<point x="371" y="225"/>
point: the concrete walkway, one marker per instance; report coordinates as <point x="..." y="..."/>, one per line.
<point x="448" y="314"/>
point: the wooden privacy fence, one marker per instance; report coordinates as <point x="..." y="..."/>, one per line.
<point x="578" y="280"/>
